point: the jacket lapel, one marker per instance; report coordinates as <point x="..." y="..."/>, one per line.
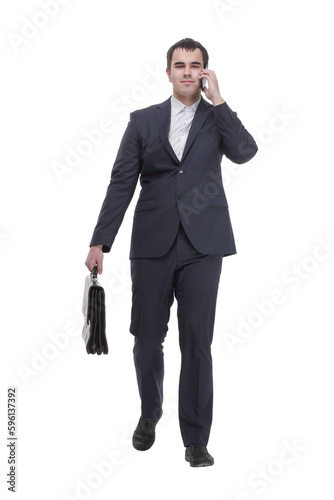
<point x="163" y="112"/>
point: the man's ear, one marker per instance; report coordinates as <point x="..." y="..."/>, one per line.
<point x="168" y="74"/>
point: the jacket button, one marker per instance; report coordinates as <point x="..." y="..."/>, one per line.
<point x="181" y="172"/>
<point x="179" y="197"/>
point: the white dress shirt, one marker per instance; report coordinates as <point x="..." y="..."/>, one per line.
<point x="180" y="123"/>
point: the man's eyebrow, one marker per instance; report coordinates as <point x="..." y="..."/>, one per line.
<point x="194" y="62"/>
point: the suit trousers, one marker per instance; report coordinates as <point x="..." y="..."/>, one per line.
<point x="193" y="279"/>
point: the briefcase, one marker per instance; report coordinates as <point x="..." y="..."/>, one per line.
<point x="94" y="311"/>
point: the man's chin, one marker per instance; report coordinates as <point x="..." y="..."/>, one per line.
<point x="188" y="92"/>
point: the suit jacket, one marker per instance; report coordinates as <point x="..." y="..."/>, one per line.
<point x="190" y="190"/>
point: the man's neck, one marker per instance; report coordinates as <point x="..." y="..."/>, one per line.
<point x="187" y="100"/>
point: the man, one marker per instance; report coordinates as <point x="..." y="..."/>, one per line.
<point x="181" y="231"/>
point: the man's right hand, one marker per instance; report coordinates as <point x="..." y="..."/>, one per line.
<point x="95" y="256"/>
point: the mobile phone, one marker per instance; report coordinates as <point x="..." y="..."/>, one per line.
<point x="203" y="81"/>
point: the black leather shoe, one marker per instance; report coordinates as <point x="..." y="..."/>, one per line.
<point x="198" y="456"/>
<point x="144" y="435"/>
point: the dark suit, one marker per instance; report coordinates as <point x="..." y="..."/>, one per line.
<point x="181" y="231"/>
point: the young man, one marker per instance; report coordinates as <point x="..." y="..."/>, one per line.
<point x="181" y="232"/>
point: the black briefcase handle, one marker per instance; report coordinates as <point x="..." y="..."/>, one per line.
<point x="94" y="273"/>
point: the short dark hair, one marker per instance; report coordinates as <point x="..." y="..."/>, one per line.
<point x="190" y="45"/>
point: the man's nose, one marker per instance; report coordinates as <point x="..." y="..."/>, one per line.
<point x="187" y="70"/>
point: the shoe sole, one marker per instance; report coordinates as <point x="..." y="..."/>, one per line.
<point x="141" y="448"/>
<point x="199" y="464"/>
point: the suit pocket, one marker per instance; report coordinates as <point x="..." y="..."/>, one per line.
<point x="143" y="205"/>
<point x="217" y="201"/>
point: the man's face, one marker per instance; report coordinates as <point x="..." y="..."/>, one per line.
<point x="184" y="72"/>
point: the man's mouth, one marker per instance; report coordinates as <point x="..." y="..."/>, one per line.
<point x="187" y="81"/>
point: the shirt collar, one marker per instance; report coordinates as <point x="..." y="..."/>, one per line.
<point x="178" y="106"/>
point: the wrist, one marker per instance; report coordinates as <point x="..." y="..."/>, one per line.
<point x="217" y="100"/>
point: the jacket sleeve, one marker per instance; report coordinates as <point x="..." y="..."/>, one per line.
<point x="238" y="145"/>
<point x="123" y="181"/>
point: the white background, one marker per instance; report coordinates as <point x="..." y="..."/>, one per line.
<point x="90" y="61"/>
